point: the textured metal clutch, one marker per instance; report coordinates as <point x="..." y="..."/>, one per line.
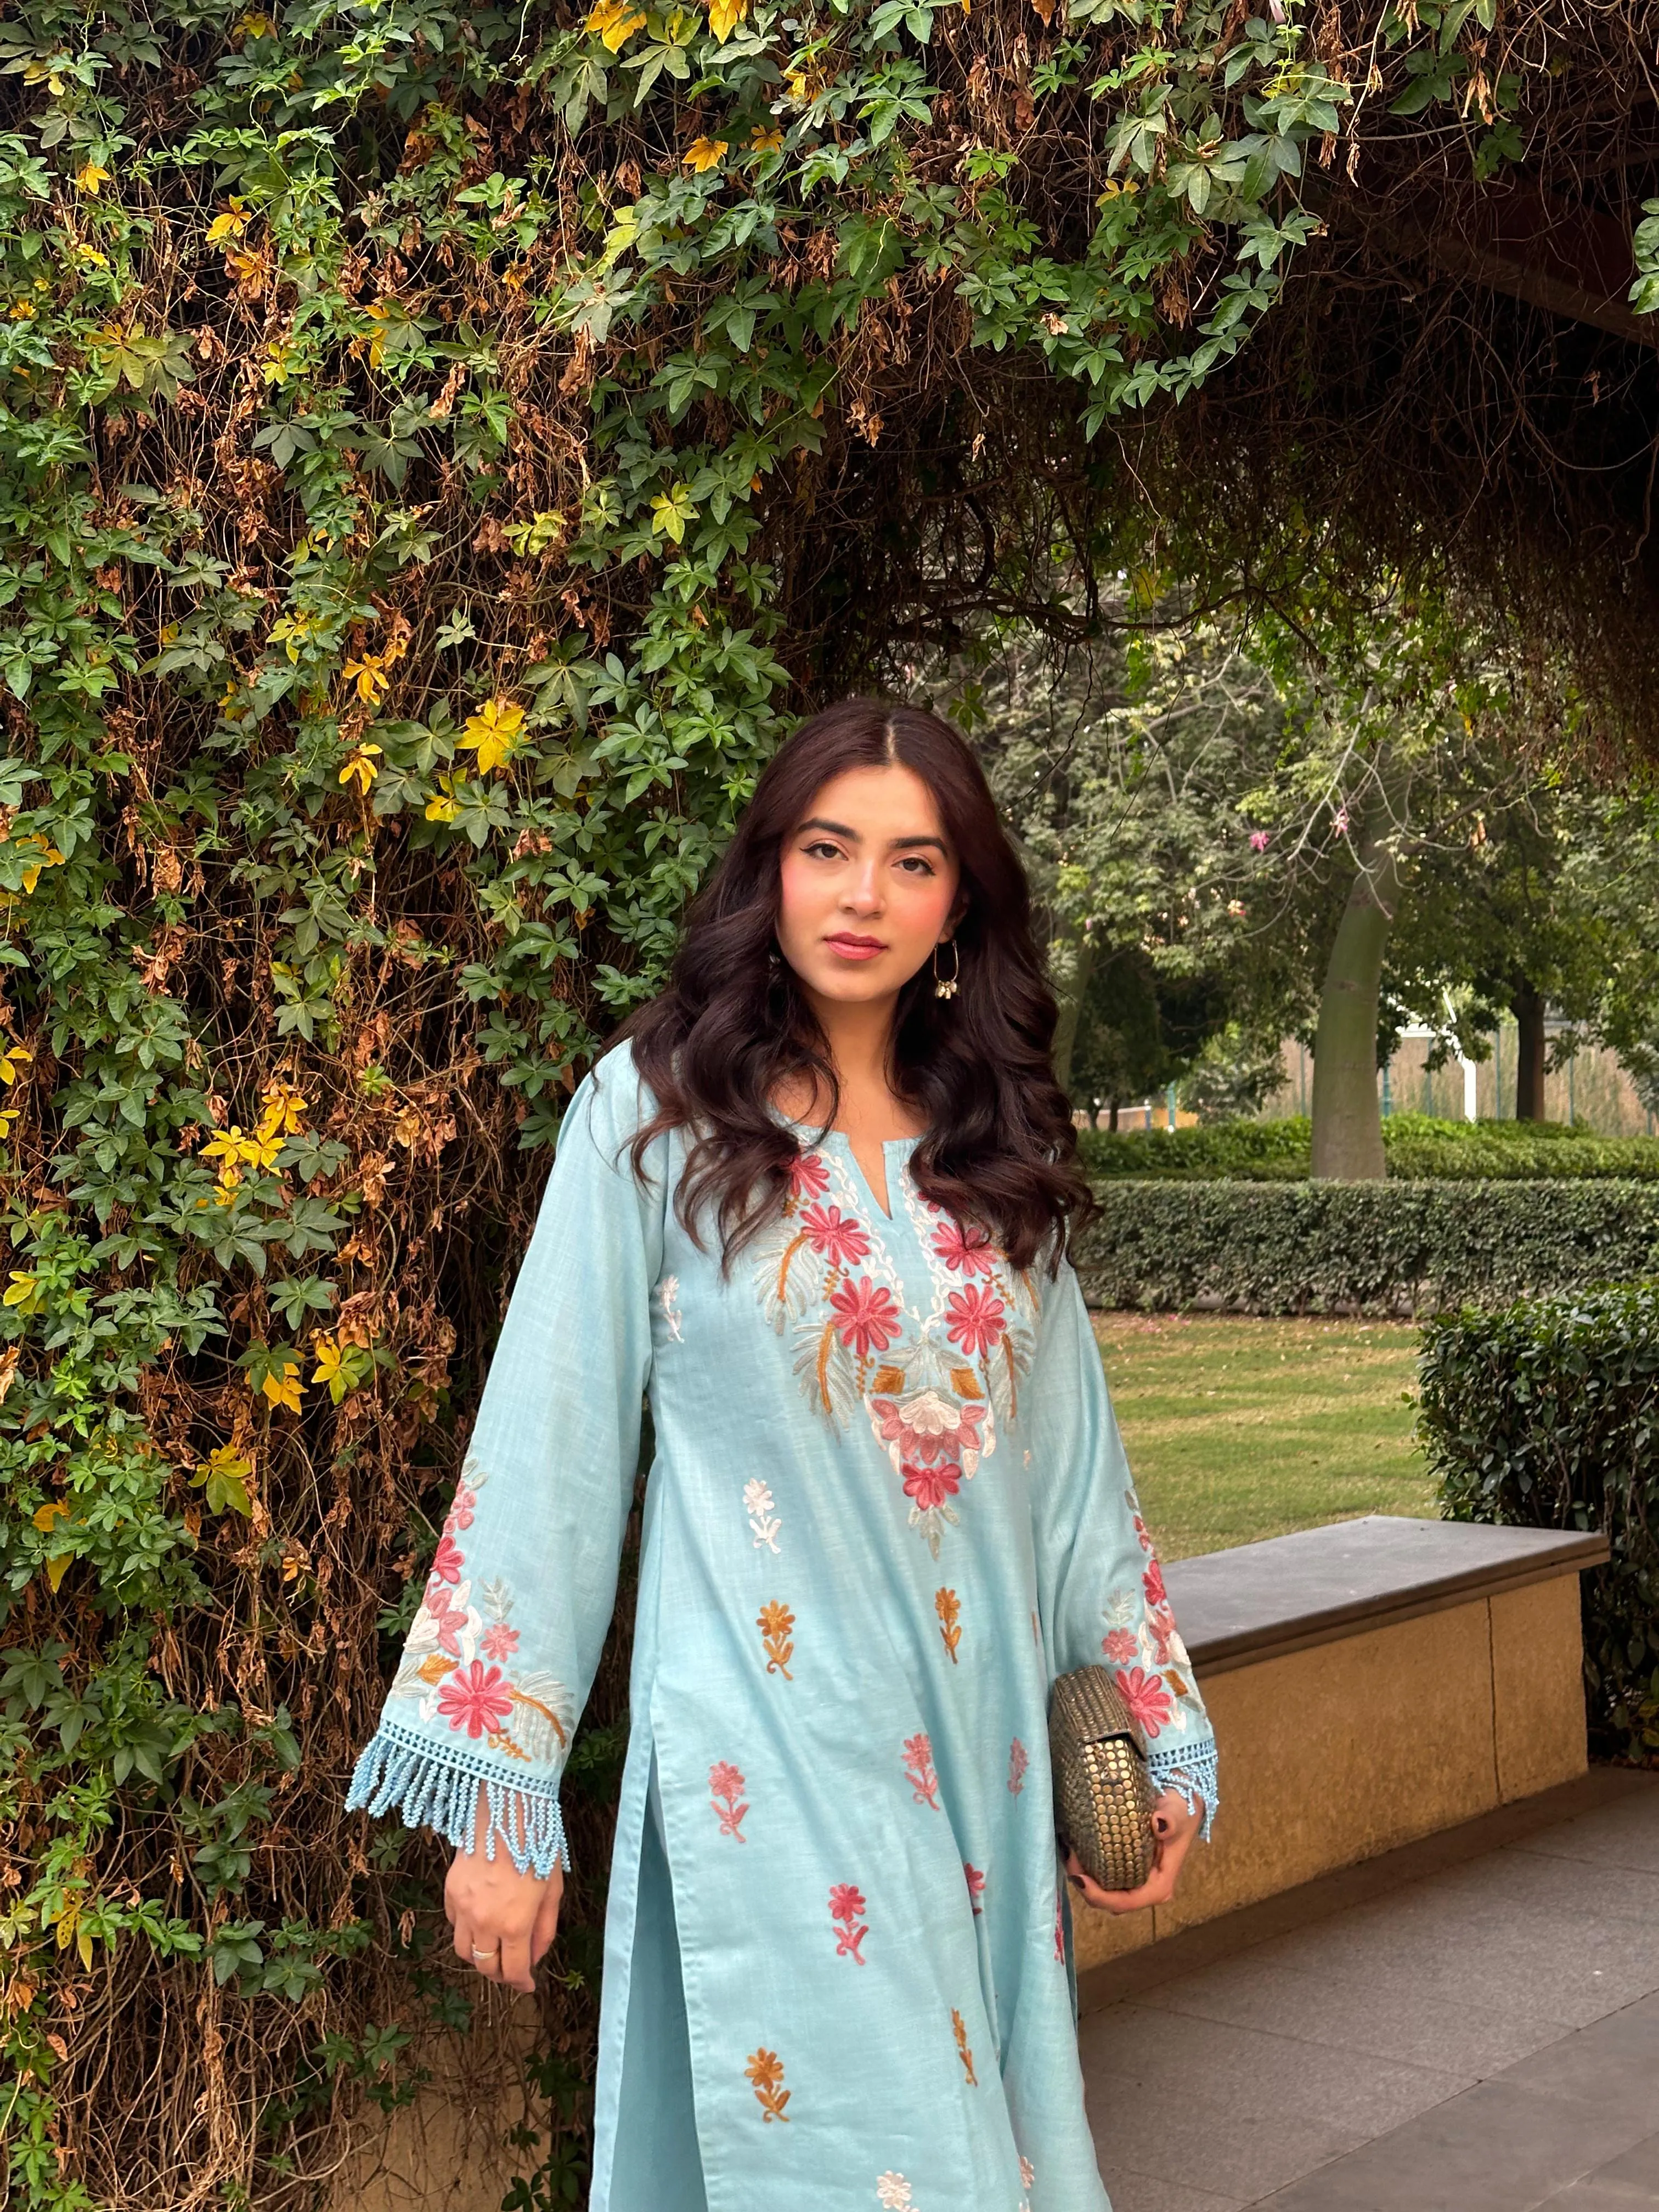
<point x="1103" y="1793"/>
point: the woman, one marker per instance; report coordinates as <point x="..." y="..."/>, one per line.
<point x="814" y="1203"/>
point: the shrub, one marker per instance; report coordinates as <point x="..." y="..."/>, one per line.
<point x="1419" y="1149"/>
<point x="1377" y="1248"/>
<point x="1544" y="1415"/>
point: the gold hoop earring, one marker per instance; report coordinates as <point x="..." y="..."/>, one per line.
<point x="944" y="986"/>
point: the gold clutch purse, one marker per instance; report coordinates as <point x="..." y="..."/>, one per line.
<point x="1103" y="1793"/>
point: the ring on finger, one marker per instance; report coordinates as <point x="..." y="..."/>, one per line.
<point x="493" y="1952"/>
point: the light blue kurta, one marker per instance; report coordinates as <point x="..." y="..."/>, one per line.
<point x="889" y="1504"/>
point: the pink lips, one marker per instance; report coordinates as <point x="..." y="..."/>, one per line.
<point x="856" y="948"/>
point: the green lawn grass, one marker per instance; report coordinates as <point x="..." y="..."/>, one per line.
<point x="1238" y="1429"/>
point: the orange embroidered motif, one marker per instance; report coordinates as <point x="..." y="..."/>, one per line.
<point x="945" y="1605"/>
<point x="962" y="2051"/>
<point x="777" y="1625"/>
<point x="765" y="2071"/>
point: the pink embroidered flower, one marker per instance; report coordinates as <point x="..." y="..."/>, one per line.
<point x="1121" y="1646"/>
<point x="475" y="1699"/>
<point x="965" y="1251"/>
<point x="1019" y="1760"/>
<point x="867" y="1318"/>
<point x="499" y="1641"/>
<point x="1146" y="1698"/>
<point x="1144" y="1533"/>
<point x="808" y="1177"/>
<point x="975" y="1886"/>
<point x="726" y="1787"/>
<point x="1059" y="1927"/>
<point x="977" y="1320"/>
<point x="847" y="1905"/>
<point x="928" y="1487"/>
<point x="834" y="1236"/>
<point x="1152" y="1583"/>
<point x="927" y="1427"/>
<point x="447" y="1560"/>
<point x="447" y="1619"/>
<point x="1167" y="1646"/>
<point x="460" y="1513"/>
<point x="919" y="1764"/>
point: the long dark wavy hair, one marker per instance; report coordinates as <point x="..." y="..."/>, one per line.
<point x="732" y="1026"/>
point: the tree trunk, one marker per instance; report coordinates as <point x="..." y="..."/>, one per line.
<point x="1347" y="1123"/>
<point x="1530" y="1058"/>
<point x="1071" y="965"/>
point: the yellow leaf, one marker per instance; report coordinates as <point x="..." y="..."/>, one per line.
<point x="284" y="1389"/>
<point x="14" y="1057"/>
<point x="369" y="674"/>
<point x="45" y="1514"/>
<point x="57" y="1568"/>
<point x="493" y="732"/>
<point x="90" y="178"/>
<point x="766" y="141"/>
<point x="442" y="806"/>
<point x="360" y="768"/>
<point x="705" y="154"/>
<point x="614" y="23"/>
<point x="724" y="15"/>
<point x="231" y="224"/>
<point x="22" y="1292"/>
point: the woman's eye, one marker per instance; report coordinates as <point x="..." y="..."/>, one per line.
<point x="821" y="849"/>
<point x="916" y="865"/>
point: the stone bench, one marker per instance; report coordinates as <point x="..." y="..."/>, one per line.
<point x="1371" y="1683"/>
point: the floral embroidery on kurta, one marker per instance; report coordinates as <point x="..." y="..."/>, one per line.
<point x="949" y="1609"/>
<point x="1018" y="1760"/>
<point x="726" y="1787"/>
<point x="975" y="1886"/>
<point x="919" y="1764"/>
<point x="777" y="1625"/>
<point x="765" y="2072"/>
<point x="453" y="1660"/>
<point x="848" y="1907"/>
<point x="966" y="2055"/>
<point x="764" y="1521"/>
<point x="934" y="1385"/>
<point x="893" y="2193"/>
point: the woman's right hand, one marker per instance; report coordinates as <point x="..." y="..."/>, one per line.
<point x="508" y="1917"/>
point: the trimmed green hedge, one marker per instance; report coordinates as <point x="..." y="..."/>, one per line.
<point x="1419" y="1149"/>
<point x="1379" y="1248"/>
<point x="1546" y="1415"/>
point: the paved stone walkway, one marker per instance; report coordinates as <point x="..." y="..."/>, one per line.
<point x="1470" y="2025"/>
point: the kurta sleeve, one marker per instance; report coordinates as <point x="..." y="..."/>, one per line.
<point x="1101" y="1590"/>
<point x="500" y="1656"/>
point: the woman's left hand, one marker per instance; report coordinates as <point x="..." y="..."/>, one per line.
<point x="1176" y="1827"/>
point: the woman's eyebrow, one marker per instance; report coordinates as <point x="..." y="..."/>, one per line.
<point x="841" y="829"/>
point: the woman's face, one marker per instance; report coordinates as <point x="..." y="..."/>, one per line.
<point x="868" y="885"/>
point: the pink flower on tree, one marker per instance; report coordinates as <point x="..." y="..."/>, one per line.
<point x="834" y="1236"/>
<point x="1152" y="1583"/>
<point x="476" y="1699"/>
<point x="919" y="1764"/>
<point x="975" y="1886"/>
<point x="1146" y="1698"/>
<point x="1260" y="841"/>
<point x="447" y="1560"/>
<point x="847" y="1905"/>
<point x="499" y="1641"/>
<point x="808" y="1177"/>
<point x="965" y="1251"/>
<point x="977" y="1320"/>
<point x="1121" y="1645"/>
<point x="866" y="1317"/>
<point x="928" y="1487"/>
<point x="726" y="1787"/>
